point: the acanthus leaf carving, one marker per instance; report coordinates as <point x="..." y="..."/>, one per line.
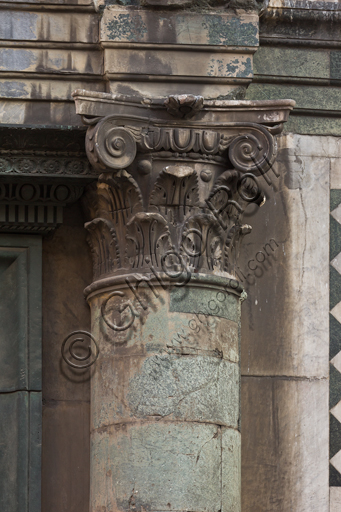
<point x="149" y="239"/>
<point x="104" y="247"/>
<point x="202" y="242"/>
<point x="232" y="245"/>
<point x="176" y="186"/>
<point x="119" y="197"/>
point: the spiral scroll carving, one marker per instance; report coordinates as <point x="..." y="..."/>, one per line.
<point x="73" y="348"/>
<point x="110" y="147"/>
<point x="249" y="153"/>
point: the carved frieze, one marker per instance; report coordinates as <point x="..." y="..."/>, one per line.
<point x="33" y="206"/>
<point x="31" y="164"/>
<point x="173" y="190"/>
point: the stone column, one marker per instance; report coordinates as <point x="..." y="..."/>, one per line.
<point x="176" y="175"/>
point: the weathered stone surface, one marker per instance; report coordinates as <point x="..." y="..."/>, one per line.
<point x="285" y="335"/>
<point x="296" y="286"/>
<point x="179" y="366"/>
<point x="291" y="62"/>
<point x="309" y="125"/>
<point x="183" y="388"/>
<point x="335" y="499"/>
<point x="126" y="24"/>
<point x="66" y="391"/>
<point x="285" y="421"/>
<point x="231" y="457"/>
<point x="66" y="271"/>
<point x="184" y="37"/>
<point x="20" y="451"/>
<point x="173" y="63"/>
<point x="74" y="3"/>
<point x="306" y="97"/>
<point x="214" y="112"/>
<point x="65" y="455"/>
<point x="50" y="113"/>
<point x="50" y="61"/>
<point x="52" y="26"/>
<point x="302" y="20"/>
<point x="157" y="466"/>
<point x="44" y="89"/>
<point x="210" y="302"/>
<point x="335" y="173"/>
<point x="196" y="333"/>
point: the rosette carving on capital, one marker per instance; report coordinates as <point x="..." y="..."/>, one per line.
<point x="169" y="186"/>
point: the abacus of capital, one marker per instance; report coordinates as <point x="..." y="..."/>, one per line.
<point x="175" y="177"/>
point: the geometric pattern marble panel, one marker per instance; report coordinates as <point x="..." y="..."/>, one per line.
<point x="335" y="341"/>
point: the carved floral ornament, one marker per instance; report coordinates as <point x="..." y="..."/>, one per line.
<point x="174" y="187"/>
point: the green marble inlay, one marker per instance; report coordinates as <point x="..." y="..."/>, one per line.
<point x="274" y="61"/>
<point x="306" y="96"/>
<point x="335" y="337"/>
<point x="231" y="31"/>
<point x="335" y="65"/>
<point x="189" y="299"/>
<point x="335" y="199"/>
<point x="309" y="125"/>
<point x="126" y="26"/>
<point x="335" y="436"/>
<point x="335" y="238"/>
<point x="334" y="477"/>
<point x="335" y="287"/>
<point x="334" y="386"/>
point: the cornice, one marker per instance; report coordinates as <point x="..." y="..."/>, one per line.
<point x="301" y="23"/>
<point x="100" y="104"/>
<point x="48" y="6"/>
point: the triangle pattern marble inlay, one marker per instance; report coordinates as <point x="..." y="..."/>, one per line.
<point x="336" y="461"/>
<point x="335" y="339"/>
<point x="337" y="213"/>
<point x="336" y="312"/>
<point x="336" y="411"/>
<point x="336" y="362"/>
<point x="336" y="262"/>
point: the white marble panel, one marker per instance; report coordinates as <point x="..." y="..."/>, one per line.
<point x="335" y="499"/>
<point x="335" y="173"/>
<point x="285" y="466"/>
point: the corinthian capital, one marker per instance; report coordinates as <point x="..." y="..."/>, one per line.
<point x="174" y="187"/>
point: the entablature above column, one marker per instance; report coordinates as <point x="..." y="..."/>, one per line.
<point x="41" y="171"/>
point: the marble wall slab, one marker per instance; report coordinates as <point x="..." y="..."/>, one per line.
<point x="285" y="334"/>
